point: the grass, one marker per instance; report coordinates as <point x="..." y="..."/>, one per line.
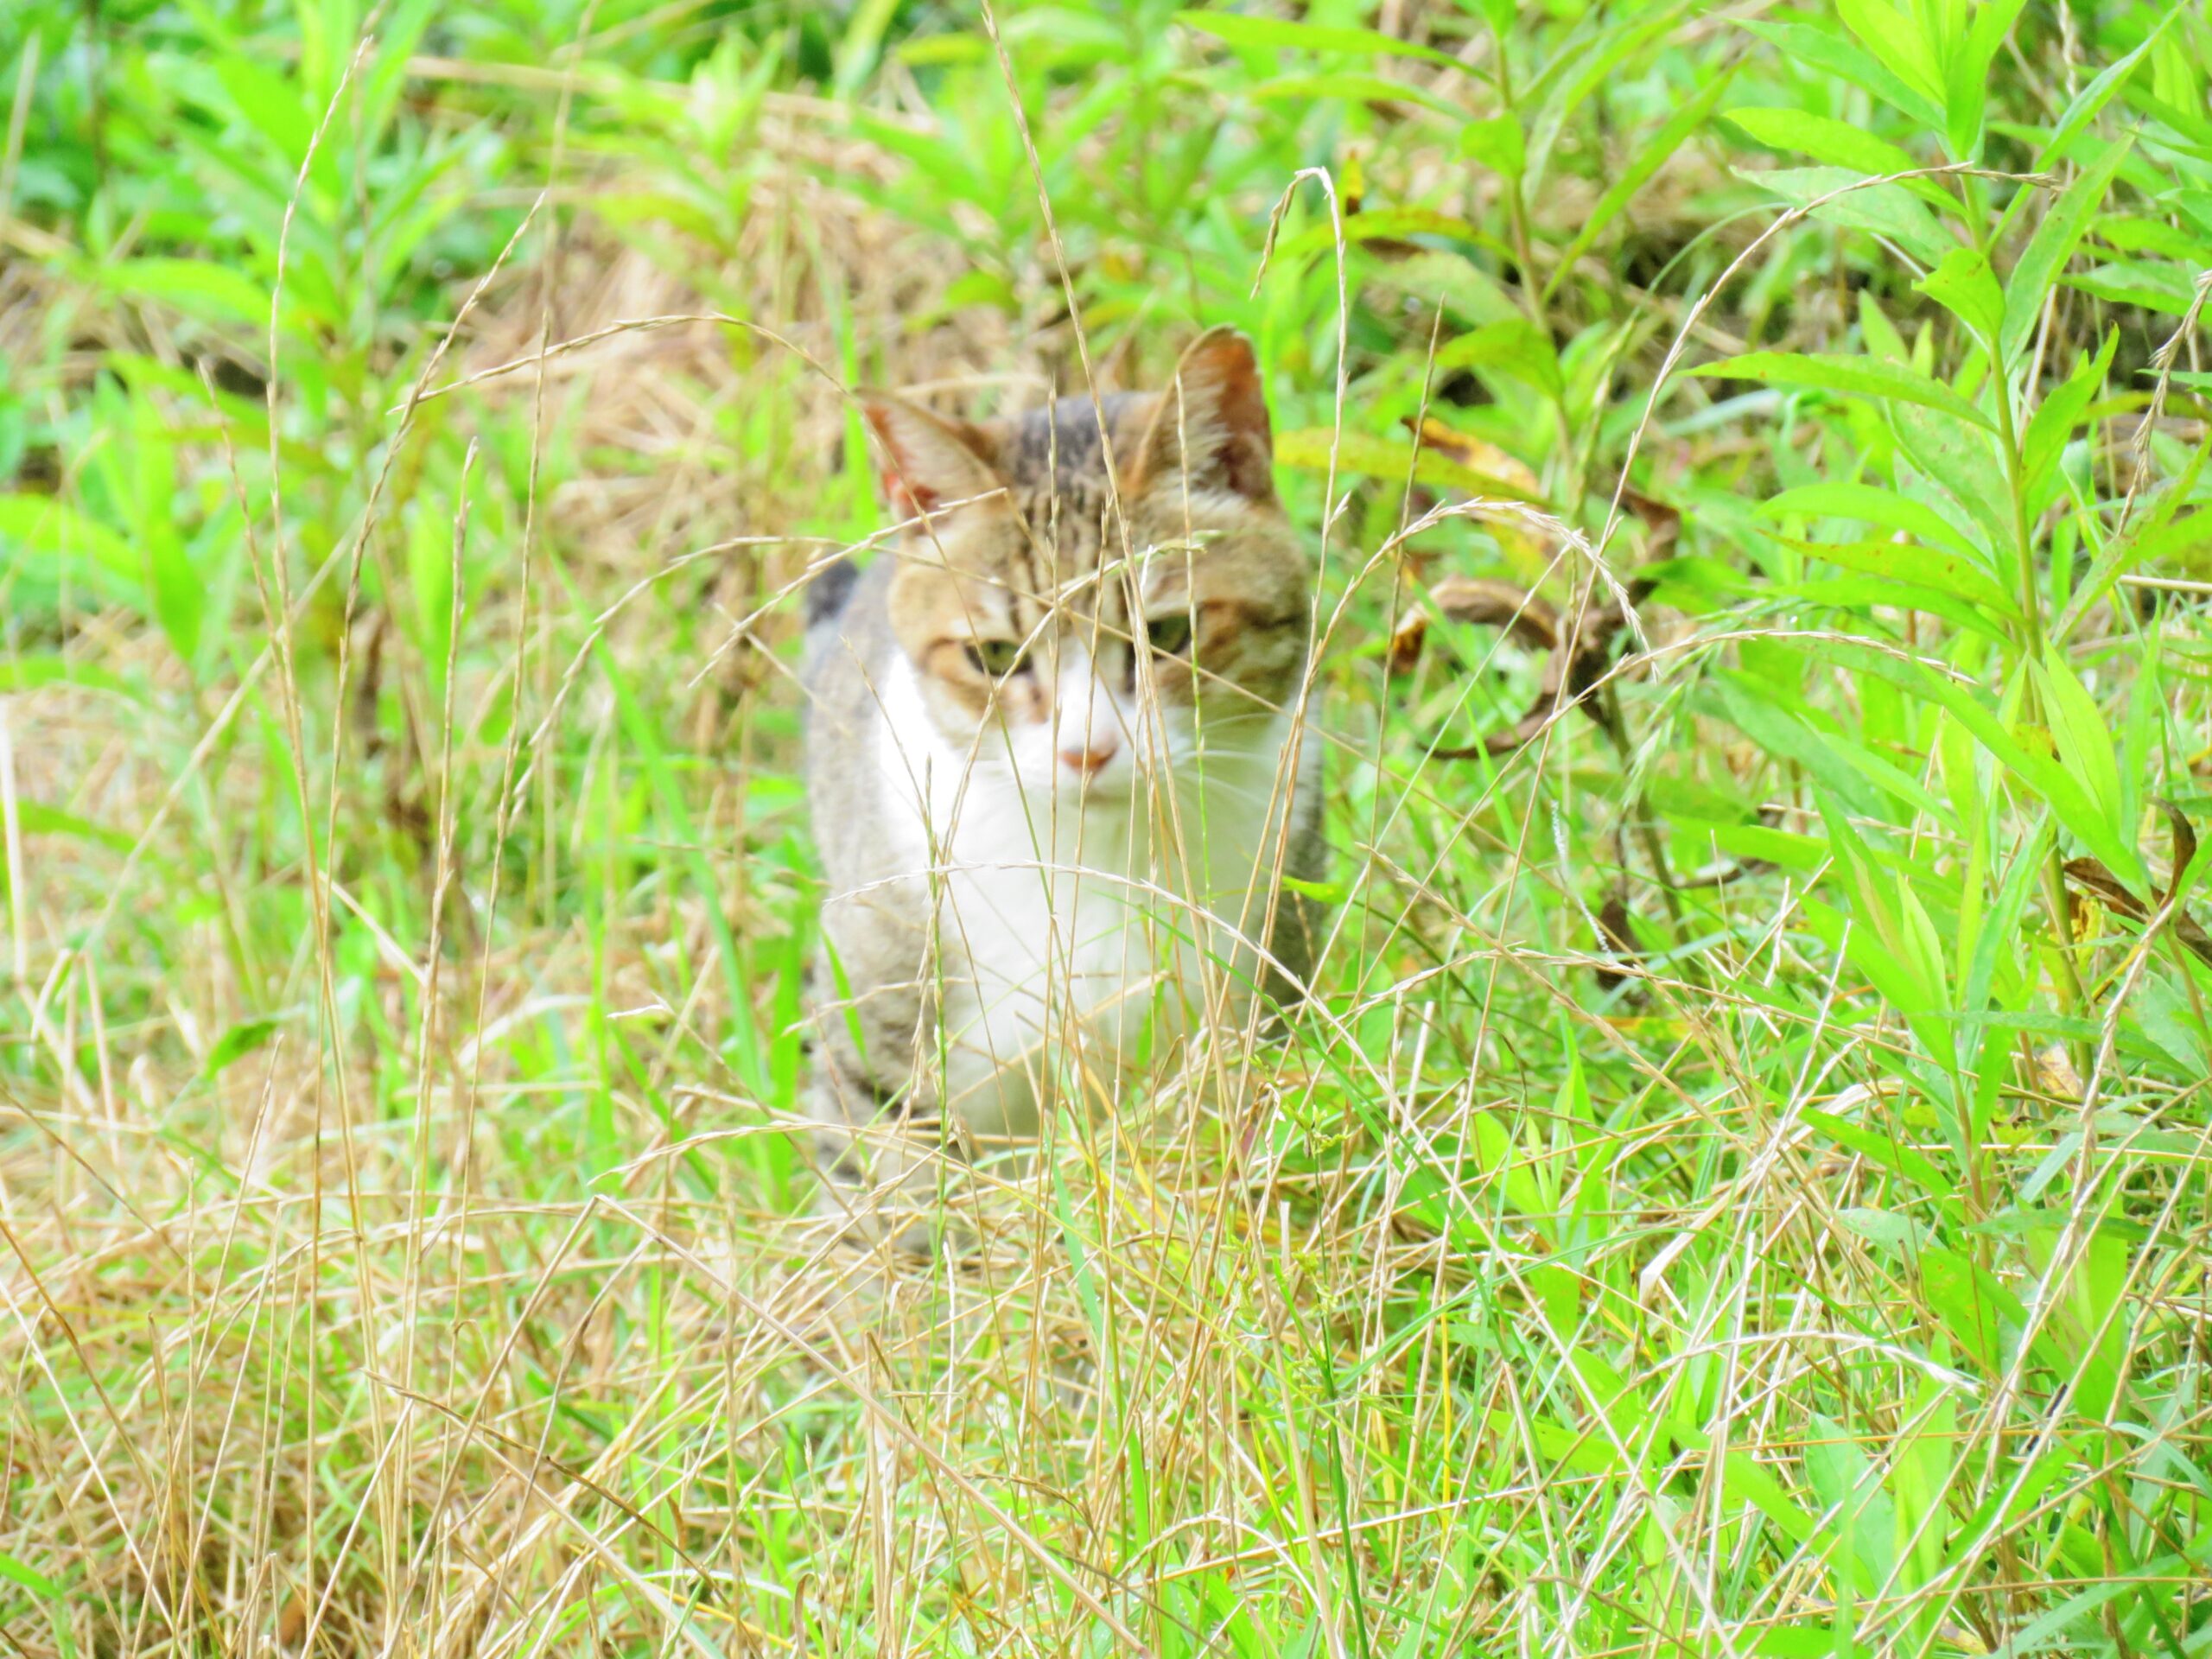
<point x="1741" y="1188"/>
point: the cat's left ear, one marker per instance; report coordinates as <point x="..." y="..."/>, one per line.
<point x="1210" y="425"/>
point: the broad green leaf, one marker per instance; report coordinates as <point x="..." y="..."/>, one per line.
<point x="1974" y="1306"/>
<point x="236" y="1044"/>
<point x="198" y="288"/>
<point x="1881" y="335"/>
<point x="2088" y="1330"/>
<point x="2052" y="243"/>
<point x="1392" y="459"/>
<point x="2084" y="737"/>
<point x="1965" y="286"/>
<point x="1888" y="1228"/>
<point x="1512" y="346"/>
<point x="1803" y="43"/>
<point x="1888" y="211"/>
<point x="1827" y="140"/>
<point x="36" y="818"/>
<point x="1581" y="66"/>
<point x="2132" y="233"/>
<point x="862" y="43"/>
<point x="1889" y="1152"/>
<point x="2054" y="421"/>
<point x="1963" y="463"/>
<point x="1467" y="292"/>
<point x="1847" y="1484"/>
<point x="2043" y="776"/>
<point x="37" y="1583"/>
<point x="1647" y="160"/>
<point x="2154" y="286"/>
<point x="1866" y="593"/>
<point x="1496" y="141"/>
<point x="1779" y="733"/>
<point x="1913" y="564"/>
<point x="2095" y="96"/>
<point x="46" y="525"/>
<point x="1872" y="506"/>
<point x="51" y="668"/>
<point x="1898" y="41"/>
<point x="1864" y="377"/>
<point x="1920" y="1483"/>
<point x="1967" y="76"/>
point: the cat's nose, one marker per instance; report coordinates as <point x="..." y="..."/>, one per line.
<point x="1088" y="758"/>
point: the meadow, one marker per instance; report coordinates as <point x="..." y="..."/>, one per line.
<point x="1741" y="1184"/>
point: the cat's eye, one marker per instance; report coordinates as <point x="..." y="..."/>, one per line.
<point x="996" y="657"/>
<point x="1169" y="636"/>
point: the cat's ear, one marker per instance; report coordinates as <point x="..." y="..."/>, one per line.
<point x="1209" y="426"/>
<point x="926" y="461"/>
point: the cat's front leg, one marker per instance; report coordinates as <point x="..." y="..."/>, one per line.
<point x="887" y="1156"/>
<point x="885" y="1147"/>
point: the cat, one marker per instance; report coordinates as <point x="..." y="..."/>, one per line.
<point x="1056" y="769"/>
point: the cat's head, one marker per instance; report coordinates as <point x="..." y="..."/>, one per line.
<point x="1085" y="623"/>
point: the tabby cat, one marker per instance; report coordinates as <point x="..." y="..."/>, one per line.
<point x="1055" y="767"/>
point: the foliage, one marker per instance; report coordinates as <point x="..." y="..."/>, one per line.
<point x="1741" y="1186"/>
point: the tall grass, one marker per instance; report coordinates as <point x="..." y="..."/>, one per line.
<point x="1741" y="1187"/>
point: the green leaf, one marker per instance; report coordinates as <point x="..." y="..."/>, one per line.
<point x="1867" y="594"/>
<point x="1582" y="63"/>
<point x="1961" y="460"/>
<point x="45" y="524"/>
<point x="2084" y="739"/>
<point x="37" y="1583"/>
<point x="2093" y="96"/>
<point x="1967" y="76"/>
<point x="2155" y="287"/>
<point x="1496" y="141"/>
<point x="1910" y="563"/>
<point x="1888" y="1228"/>
<point x="2052" y="244"/>
<point x="1647" y="162"/>
<point x="1832" y="142"/>
<point x="1392" y="459"/>
<point x="1803" y="43"/>
<point x="1964" y="285"/>
<point x="236" y="1044"/>
<point x="36" y="818"/>
<point x="2053" y="423"/>
<point x="1888" y="211"/>
<point x="2043" y="776"/>
<point x="52" y="668"/>
<point x="1864" y="377"/>
<point x="1872" y="506"/>
<point x="1888" y="1152"/>
<point x="1512" y="346"/>
<point x="198" y="288"/>
<point x="1897" y="41"/>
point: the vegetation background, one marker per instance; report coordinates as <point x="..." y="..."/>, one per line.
<point x="1742" y="1186"/>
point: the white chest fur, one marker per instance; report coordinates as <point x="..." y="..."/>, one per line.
<point x="1080" y="936"/>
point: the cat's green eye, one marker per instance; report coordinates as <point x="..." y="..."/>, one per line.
<point x="996" y="657"/>
<point x="1170" y="636"/>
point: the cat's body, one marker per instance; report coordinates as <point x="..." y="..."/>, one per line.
<point x="1055" y="769"/>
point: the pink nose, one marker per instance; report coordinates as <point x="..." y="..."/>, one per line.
<point x="1088" y="761"/>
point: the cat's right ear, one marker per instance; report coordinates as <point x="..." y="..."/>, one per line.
<point x="1209" y="430"/>
<point x="926" y="461"/>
